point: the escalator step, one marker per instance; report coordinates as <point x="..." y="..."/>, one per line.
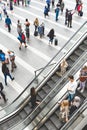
<point x="56" y="121"/>
<point x="78" y="52"/>
<point x="46" y="88"/>
<point x="70" y="62"/>
<point x="73" y="57"/>
<point x="85" y="42"/>
<point x="43" y="128"/>
<point x="42" y="94"/>
<point x="27" y="109"/>
<point x="55" y="78"/>
<point x="4" y="126"/>
<point x="50" y="125"/>
<point x="83" y="47"/>
<point x="50" y="83"/>
<point x="23" y="114"/>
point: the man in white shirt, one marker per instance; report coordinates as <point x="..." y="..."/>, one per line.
<point x="71" y="88"/>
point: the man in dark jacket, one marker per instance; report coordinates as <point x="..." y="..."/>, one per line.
<point x="70" y="19"/>
<point x="6" y="72"/>
<point x="8" y="23"/>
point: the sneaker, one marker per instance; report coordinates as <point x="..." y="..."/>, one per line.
<point x="12" y="78"/>
<point x="6" y="100"/>
<point x="6" y="84"/>
<point x="25" y="46"/>
<point x="19" y="48"/>
<point x="78" y="88"/>
<point x="82" y="90"/>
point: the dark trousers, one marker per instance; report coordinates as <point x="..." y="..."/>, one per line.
<point x="5" y="75"/>
<point x="13" y="65"/>
<point x="69" y="23"/>
<point x="9" y="28"/>
<point x="3" y="96"/>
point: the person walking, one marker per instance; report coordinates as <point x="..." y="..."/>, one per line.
<point x="46" y="10"/>
<point x="8" y="23"/>
<point x="4" y="10"/>
<point x="6" y="72"/>
<point x="57" y="10"/>
<point x="69" y="19"/>
<point x="71" y="88"/>
<point x="51" y="35"/>
<point x="41" y="30"/>
<point x="22" y="39"/>
<point x="11" y="6"/>
<point x="66" y="16"/>
<point x="12" y="59"/>
<point x="36" y="23"/>
<point x="19" y="27"/>
<point x="1" y="92"/>
<point x="62" y="6"/>
<point x="27" y="30"/>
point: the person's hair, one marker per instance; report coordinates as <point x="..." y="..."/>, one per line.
<point x="71" y="77"/>
<point x="26" y="20"/>
<point x="32" y="91"/>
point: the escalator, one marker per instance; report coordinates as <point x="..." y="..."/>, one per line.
<point x="54" y="80"/>
<point x="53" y="122"/>
<point x="35" y="119"/>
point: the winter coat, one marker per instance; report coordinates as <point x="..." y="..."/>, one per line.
<point x="8" y="21"/>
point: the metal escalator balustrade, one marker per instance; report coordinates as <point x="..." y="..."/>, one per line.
<point x="37" y="118"/>
<point x="12" y="107"/>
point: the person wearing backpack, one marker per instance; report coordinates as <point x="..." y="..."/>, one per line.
<point x="22" y="40"/>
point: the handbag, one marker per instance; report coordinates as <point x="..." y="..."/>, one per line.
<point x="6" y="25"/>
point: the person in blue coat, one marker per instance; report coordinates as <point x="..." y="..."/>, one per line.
<point x="46" y="10"/>
<point x="57" y="11"/>
<point x="48" y="4"/>
<point x="8" y="23"/>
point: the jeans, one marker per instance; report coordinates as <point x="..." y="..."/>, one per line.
<point x="5" y="75"/>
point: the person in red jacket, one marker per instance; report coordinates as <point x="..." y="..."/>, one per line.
<point x="79" y="8"/>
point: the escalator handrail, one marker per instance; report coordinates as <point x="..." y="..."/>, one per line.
<point x="41" y="71"/>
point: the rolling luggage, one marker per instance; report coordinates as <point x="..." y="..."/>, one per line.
<point x="55" y="42"/>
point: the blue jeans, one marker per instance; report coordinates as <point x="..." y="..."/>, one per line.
<point x="5" y="75"/>
<point x="70" y="97"/>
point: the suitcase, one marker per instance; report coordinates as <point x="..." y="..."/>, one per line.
<point x="56" y="42"/>
<point x="36" y="33"/>
<point x="81" y="13"/>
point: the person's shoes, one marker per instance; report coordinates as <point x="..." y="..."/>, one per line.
<point x="12" y="78"/>
<point x="78" y="88"/>
<point x="6" y="84"/>
<point x="6" y="100"/>
<point x="19" y="48"/>
<point x="25" y="46"/>
<point x="15" y="66"/>
<point x="82" y="90"/>
<point x="11" y="70"/>
<point x="70" y="26"/>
